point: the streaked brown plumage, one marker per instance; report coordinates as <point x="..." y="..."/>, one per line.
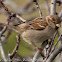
<point x="37" y="30"/>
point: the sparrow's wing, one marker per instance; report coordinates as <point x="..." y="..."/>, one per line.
<point x="38" y="23"/>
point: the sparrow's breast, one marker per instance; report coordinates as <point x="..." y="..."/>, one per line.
<point x="37" y="36"/>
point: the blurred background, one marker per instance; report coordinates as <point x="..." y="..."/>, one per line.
<point x="27" y="10"/>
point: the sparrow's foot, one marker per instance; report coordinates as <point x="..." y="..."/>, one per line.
<point x="39" y="49"/>
<point x="41" y="53"/>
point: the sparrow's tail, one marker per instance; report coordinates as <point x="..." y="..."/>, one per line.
<point x="10" y="26"/>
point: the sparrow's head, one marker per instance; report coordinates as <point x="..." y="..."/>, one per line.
<point x="53" y="18"/>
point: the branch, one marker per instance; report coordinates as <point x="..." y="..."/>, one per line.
<point x="51" y="44"/>
<point x="1" y="33"/>
<point x="53" y="7"/>
<point x="54" y="54"/>
<point x="38" y="7"/>
<point x="9" y="12"/>
<point x="2" y="52"/>
<point x="60" y="15"/>
<point x="1" y="47"/>
<point x="15" y="49"/>
<point x="20" y="18"/>
<point x="38" y="53"/>
<point x="60" y="37"/>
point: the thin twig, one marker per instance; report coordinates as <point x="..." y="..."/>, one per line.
<point x="54" y="54"/>
<point x="38" y="53"/>
<point x="9" y="12"/>
<point x="20" y="18"/>
<point x="38" y="7"/>
<point x="56" y="43"/>
<point x="52" y="40"/>
<point x="1" y="47"/>
<point x="52" y="49"/>
<point x="15" y="49"/>
<point x="49" y="50"/>
<point x="2" y="52"/>
<point x="60" y="15"/>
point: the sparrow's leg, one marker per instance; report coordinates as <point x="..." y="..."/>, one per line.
<point x="37" y="48"/>
<point x="42" y="45"/>
<point x="41" y="48"/>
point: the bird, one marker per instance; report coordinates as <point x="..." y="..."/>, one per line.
<point x="38" y="30"/>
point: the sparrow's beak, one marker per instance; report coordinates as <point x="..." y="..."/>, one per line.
<point x="58" y="25"/>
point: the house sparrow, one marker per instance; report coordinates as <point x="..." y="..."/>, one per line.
<point x="38" y="30"/>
